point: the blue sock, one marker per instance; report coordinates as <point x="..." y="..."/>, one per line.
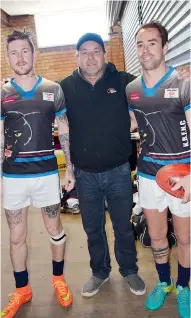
<point x="21" y="278"/>
<point x="164" y="272"/>
<point x="183" y="276"/>
<point x="58" y="268"/>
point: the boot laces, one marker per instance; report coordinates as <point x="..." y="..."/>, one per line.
<point x="62" y="287"/>
<point x="14" y="300"/>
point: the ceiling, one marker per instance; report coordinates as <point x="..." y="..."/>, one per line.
<point x="17" y="7"/>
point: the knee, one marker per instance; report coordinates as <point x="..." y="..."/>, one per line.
<point x="54" y="230"/>
<point x="183" y="240"/>
<point x="95" y="235"/>
<point x="18" y="238"/>
<point x="124" y="231"/>
<point x="157" y="235"/>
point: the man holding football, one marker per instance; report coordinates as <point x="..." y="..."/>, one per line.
<point x="159" y="105"/>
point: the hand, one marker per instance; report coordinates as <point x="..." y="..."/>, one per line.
<point x="184" y="73"/>
<point x="185" y="183"/>
<point x="69" y="179"/>
<point x="133" y="126"/>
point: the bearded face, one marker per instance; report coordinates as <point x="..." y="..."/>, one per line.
<point x="21" y="57"/>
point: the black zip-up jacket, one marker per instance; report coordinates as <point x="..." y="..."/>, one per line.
<point x="98" y="119"/>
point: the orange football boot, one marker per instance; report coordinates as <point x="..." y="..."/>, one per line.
<point x="19" y="298"/>
<point x="62" y="290"/>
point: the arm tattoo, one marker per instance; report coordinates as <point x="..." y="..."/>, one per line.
<point x="52" y="210"/>
<point x="65" y="145"/>
<point x="159" y="253"/>
<point x="64" y="141"/>
<point x="63" y="118"/>
<point x="14" y="217"/>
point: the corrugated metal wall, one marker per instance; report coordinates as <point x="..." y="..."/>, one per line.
<point x="130" y="24"/>
<point x="174" y="15"/>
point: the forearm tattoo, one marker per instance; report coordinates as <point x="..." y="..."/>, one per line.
<point x="52" y="210"/>
<point x="64" y="140"/>
<point x="14" y="217"/>
<point x="159" y="253"/>
<point x="63" y="118"/>
<point x="65" y="145"/>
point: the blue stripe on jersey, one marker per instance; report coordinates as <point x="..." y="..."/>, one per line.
<point x="26" y="94"/>
<point x="34" y="175"/>
<point x="34" y="158"/>
<point x="2" y="118"/>
<point x="187" y="107"/>
<point x="60" y="112"/>
<point x="144" y="175"/>
<point x="165" y="162"/>
<point x="131" y="109"/>
<point x="150" y="92"/>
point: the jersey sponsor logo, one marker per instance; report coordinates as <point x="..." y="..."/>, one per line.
<point x="111" y="91"/>
<point x="134" y="96"/>
<point x="171" y="93"/>
<point x="8" y="100"/>
<point x="48" y="96"/>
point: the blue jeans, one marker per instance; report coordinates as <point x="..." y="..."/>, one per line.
<point x="114" y="186"/>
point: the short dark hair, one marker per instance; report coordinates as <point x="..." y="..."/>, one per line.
<point x="21" y="35"/>
<point x="156" y="25"/>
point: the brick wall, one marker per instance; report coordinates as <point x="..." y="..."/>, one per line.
<point x="55" y="63"/>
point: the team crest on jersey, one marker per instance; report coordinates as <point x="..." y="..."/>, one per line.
<point x="134" y="96"/>
<point x="48" y="96"/>
<point x="171" y="93"/>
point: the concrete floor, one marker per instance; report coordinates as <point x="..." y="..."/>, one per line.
<point x="114" y="300"/>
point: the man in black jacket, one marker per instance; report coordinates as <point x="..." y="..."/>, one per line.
<point x="100" y="148"/>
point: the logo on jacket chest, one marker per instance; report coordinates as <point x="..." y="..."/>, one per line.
<point x="111" y="91"/>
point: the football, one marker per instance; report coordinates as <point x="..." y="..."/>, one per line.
<point x="169" y="175"/>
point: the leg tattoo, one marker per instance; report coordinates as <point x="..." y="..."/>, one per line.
<point x="159" y="253"/>
<point x="14" y="217"/>
<point x="52" y="210"/>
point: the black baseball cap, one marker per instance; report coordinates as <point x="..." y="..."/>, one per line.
<point x="90" y="37"/>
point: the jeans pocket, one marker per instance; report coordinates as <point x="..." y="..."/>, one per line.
<point x="77" y="173"/>
<point x="124" y="169"/>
